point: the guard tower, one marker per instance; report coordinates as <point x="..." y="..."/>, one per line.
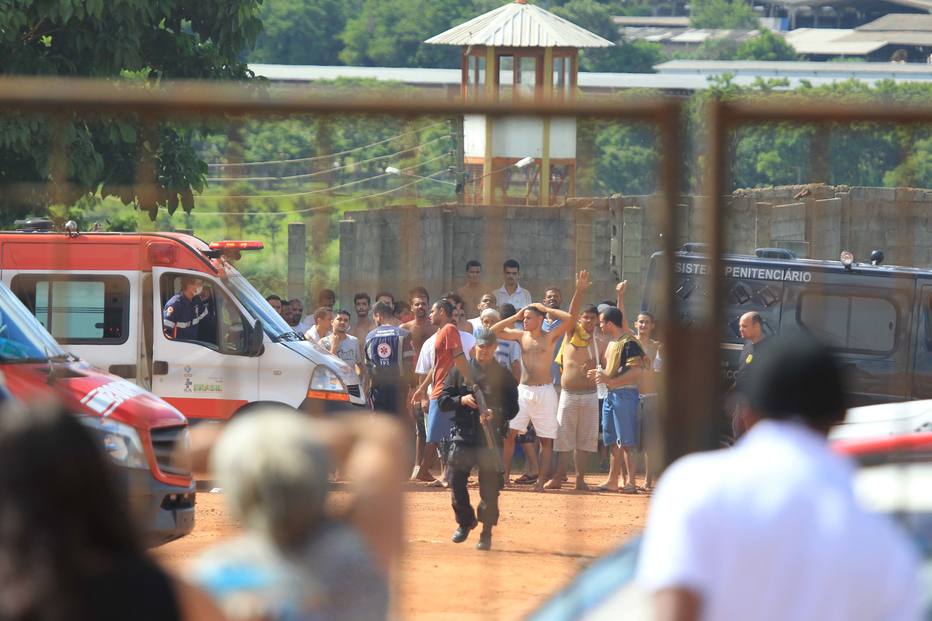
<point x="519" y="53"/>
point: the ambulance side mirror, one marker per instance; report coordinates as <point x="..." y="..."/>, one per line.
<point x="254" y="344"/>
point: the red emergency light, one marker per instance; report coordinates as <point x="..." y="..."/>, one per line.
<point x="236" y="245"/>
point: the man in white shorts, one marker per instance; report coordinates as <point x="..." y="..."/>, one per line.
<point x="578" y="411"/>
<point x="537" y="398"/>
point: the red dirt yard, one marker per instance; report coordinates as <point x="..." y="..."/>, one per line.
<point x="541" y="542"/>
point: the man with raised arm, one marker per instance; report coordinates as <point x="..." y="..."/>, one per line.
<point x="537" y="398"/>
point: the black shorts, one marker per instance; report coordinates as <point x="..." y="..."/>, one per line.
<point x="387" y="398"/>
<point x="528" y="436"/>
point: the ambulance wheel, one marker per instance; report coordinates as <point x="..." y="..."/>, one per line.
<point x="256" y="405"/>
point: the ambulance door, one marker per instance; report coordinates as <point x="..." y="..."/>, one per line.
<point x="94" y="315"/>
<point x="210" y="376"/>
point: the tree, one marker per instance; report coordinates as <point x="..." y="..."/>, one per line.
<point x="301" y="32"/>
<point x="391" y="33"/>
<point x="625" y="56"/>
<point x="722" y="48"/>
<point x="723" y="15"/>
<point x="766" y="46"/>
<point x="142" y="40"/>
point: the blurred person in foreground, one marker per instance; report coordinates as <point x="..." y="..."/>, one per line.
<point x="771" y="529"/>
<point x="472" y="431"/>
<point x="68" y="547"/>
<point x="306" y="555"/>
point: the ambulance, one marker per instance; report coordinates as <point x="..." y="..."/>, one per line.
<point x="102" y="295"/>
<point x="143" y="436"/>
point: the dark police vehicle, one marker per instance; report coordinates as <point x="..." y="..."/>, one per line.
<point x="877" y="317"/>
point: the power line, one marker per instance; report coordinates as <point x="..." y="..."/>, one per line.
<point x="328" y="155"/>
<point x="318" y="191"/>
<point x="322" y="207"/>
<point x="329" y="170"/>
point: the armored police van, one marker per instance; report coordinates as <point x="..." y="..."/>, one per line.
<point x="877" y="317"/>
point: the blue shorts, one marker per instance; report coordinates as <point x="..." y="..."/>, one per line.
<point x="620" y="417"/>
<point x="439" y="423"/>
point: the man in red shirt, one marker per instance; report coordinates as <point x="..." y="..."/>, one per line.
<point x="448" y="352"/>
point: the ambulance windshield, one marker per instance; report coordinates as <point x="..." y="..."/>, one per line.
<point x="272" y="322"/>
<point x="22" y="337"/>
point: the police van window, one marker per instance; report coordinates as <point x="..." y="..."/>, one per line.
<point x="854" y="323"/>
<point x="78" y="309"/>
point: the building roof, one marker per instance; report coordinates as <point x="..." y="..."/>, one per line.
<point x="664" y="21"/>
<point x="674" y="75"/>
<point x="901" y="72"/>
<point x="902" y="22"/>
<point x="922" y="5"/>
<point x="832" y="42"/>
<point x="518" y="24"/>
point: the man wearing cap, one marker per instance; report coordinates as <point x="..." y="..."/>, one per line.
<point x="771" y="528"/>
<point x="469" y="445"/>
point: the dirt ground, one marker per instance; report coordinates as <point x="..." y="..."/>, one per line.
<point x="542" y="541"/>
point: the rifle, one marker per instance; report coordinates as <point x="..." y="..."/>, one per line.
<point x="487" y="428"/>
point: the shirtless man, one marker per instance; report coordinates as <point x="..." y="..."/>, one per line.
<point x="578" y="411"/>
<point x="421" y="329"/>
<point x="472" y="291"/>
<point x="364" y="323"/>
<point x="537" y="398"/>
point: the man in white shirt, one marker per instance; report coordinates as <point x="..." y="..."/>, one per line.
<point x="770" y="529"/>
<point x="323" y="318"/>
<point x="511" y="292"/>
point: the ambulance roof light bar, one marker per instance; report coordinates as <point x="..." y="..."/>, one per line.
<point x="236" y="245"/>
<point x="231" y="248"/>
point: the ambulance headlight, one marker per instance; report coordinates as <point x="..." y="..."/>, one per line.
<point x="323" y="379"/>
<point x="121" y="442"/>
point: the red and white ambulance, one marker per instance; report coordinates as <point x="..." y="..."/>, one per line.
<point x="142" y="434"/>
<point x="101" y="295"/>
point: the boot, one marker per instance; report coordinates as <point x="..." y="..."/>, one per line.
<point x="462" y="532"/>
<point x="485" y="538"/>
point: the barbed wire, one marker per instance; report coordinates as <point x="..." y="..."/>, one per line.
<point x="314" y="158"/>
<point x="329" y="170"/>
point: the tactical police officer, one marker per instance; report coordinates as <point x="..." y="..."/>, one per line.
<point x="182" y="314"/>
<point x="473" y="430"/>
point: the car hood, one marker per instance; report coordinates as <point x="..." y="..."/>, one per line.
<point x="318" y="355"/>
<point x="92" y="392"/>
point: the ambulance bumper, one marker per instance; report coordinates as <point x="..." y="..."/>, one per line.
<point x="162" y="512"/>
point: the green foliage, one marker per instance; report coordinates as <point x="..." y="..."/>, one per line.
<point x="391" y="33"/>
<point x="766" y="46"/>
<point x="625" y="56"/>
<point x="716" y="49"/>
<point x="135" y="39"/>
<point x="301" y="32"/>
<point x="723" y="14"/>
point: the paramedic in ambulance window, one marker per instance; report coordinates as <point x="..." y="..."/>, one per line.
<point x="182" y="313"/>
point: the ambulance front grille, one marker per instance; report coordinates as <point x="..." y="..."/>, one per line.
<point x="164" y="442"/>
<point x="353" y="390"/>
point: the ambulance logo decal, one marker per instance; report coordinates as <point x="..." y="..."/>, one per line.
<point x="384" y="350"/>
<point x="107" y="397"/>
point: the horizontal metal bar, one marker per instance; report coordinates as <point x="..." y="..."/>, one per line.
<point x="198" y="99"/>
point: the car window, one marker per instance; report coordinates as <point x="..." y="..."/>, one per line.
<point x="78" y="309"/>
<point x="857" y="323"/>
